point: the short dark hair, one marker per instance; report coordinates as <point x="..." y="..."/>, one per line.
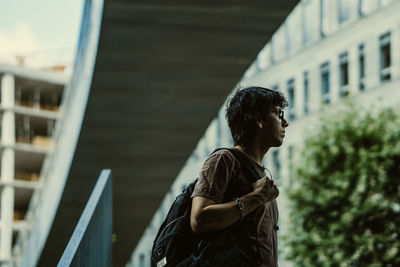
<point x="246" y="107"/>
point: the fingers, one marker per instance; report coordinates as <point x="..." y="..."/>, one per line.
<point x="270" y="189"/>
<point x="266" y="178"/>
<point x="269" y="183"/>
<point x="263" y="182"/>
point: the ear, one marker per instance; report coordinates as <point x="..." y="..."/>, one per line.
<point x="259" y="120"/>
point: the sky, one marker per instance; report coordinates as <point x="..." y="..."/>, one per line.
<point x="44" y="32"/>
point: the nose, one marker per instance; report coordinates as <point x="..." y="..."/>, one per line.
<point x="285" y="123"/>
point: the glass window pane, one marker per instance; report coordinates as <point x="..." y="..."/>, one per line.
<point x="309" y="21"/>
<point x="325" y="83"/>
<point x="343" y="10"/>
<point x="291" y="99"/>
<point x="385" y="57"/>
<point x="361" y="67"/>
<point x="324" y="16"/>
<point x="344" y="70"/>
<point x="264" y="57"/>
<point x="306" y="93"/>
<point x="278" y="45"/>
<point x="361" y="60"/>
<point x="293" y="31"/>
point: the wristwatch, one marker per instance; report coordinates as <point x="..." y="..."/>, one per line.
<point x="240" y="206"/>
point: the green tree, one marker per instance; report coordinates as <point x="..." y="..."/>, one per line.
<point x="345" y="195"/>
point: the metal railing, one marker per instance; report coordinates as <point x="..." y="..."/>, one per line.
<point x="91" y="241"/>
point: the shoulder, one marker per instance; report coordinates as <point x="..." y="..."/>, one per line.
<point x="226" y="152"/>
<point x="222" y="155"/>
<point x="215" y="175"/>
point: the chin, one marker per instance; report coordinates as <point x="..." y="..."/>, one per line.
<point x="278" y="143"/>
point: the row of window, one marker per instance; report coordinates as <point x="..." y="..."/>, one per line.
<point x="325" y="76"/>
<point x="343" y="13"/>
<point x="308" y="23"/>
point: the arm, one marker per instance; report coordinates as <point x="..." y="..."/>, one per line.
<point x="208" y="216"/>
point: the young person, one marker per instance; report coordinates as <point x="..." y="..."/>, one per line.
<point x="256" y="121"/>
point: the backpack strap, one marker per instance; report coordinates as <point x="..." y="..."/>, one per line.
<point x="246" y="162"/>
<point x="242" y="158"/>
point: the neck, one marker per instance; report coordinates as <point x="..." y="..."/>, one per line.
<point x="255" y="151"/>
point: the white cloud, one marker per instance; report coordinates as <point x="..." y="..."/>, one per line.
<point x="22" y="41"/>
<point x="19" y="41"/>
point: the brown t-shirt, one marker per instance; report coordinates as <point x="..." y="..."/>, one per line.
<point x="215" y="176"/>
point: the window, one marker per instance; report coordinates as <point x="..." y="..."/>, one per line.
<point x="288" y="43"/>
<point x="325" y="83"/>
<point x="264" y="57"/>
<point x="142" y="259"/>
<point x="325" y="23"/>
<point x="385" y="57"/>
<point x="343" y="11"/>
<point x="343" y="74"/>
<point x="306" y="93"/>
<point x="291" y="99"/>
<point x="307" y="24"/>
<point x="293" y="34"/>
<point x="278" y="46"/>
<point x="273" y="50"/>
<point x="361" y="67"/>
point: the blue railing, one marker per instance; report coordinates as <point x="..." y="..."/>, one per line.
<point x="90" y="243"/>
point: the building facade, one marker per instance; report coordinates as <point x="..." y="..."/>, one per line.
<point x="30" y="104"/>
<point x="327" y="51"/>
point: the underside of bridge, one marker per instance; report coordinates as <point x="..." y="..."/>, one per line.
<point x="163" y="70"/>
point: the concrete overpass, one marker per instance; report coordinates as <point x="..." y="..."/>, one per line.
<point x="162" y="71"/>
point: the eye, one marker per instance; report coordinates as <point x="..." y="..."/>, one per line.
<point x="280" y="114"/>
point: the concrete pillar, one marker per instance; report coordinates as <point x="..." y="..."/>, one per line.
<point x="314" y="88"/>
<point x="7" y="165"/>
<point x="372" y="63"/>
<point x="354" y="10"/>
<point x="334" y="77"/>
<point x="353" y="69"/>
<point x="333" y="12"/>
<point x="299" y="94"/>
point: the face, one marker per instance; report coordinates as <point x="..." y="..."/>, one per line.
<point x="273" y="126"/>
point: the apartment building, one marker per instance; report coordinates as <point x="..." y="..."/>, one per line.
<point x="29" y="111"/>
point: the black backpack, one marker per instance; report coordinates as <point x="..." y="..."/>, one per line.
<point x="175" y="244"/>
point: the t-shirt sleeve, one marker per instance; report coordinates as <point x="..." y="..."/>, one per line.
<point x="215" y="176"/>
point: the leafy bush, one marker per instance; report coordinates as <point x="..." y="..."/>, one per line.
<point x="346" y="194"/>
